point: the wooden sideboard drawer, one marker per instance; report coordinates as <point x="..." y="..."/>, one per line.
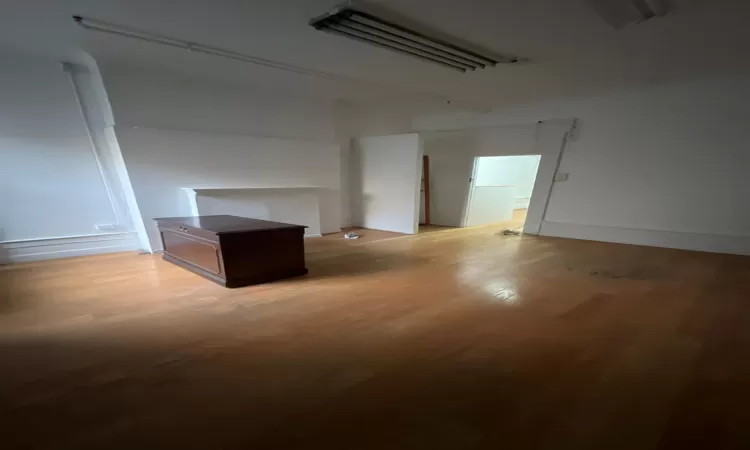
<point x="193" y="250"/>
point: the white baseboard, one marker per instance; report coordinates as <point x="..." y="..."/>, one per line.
<point x="522" y="203"/>
<point x="738" y="245"/>
<point x="313" y="235"/>
<point x="66" y="247"/>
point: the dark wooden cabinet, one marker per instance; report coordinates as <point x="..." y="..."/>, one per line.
<point x="234" y="251"/>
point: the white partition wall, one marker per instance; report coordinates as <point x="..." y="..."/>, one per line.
<point x="389" y="178"/>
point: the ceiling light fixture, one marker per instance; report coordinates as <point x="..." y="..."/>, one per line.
<point x="367" y="27"/>
<point x="127" y="32"/>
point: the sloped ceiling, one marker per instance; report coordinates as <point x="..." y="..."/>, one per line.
<point x="572" y="50"/>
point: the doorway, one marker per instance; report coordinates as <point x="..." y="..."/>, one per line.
<point x="425" y="223"/>
<point x="500" y="191"/>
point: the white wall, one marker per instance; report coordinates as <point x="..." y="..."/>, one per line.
<point x="299" y="206"/>
<point x="177" y="133"/>
<point x="663" y="165"/>
<point x="389" y="170"/>
<point x="160" y="99"/>
<point x="51" y="189"/>
<point x="160" y="163"/>
<point x="518" y="171"/>
<point x="451" y="162"/>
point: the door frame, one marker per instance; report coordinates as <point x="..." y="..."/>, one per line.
<point x="472" y="185"/>
<point x="550" y="139"/>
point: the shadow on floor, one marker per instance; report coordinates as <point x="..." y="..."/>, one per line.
<point x="361" y="261"/>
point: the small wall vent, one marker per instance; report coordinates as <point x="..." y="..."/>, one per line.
<point x="366" y="26"/>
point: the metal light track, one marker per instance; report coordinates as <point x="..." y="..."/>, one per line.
<point x="366" y="27"/>
<point x="194" y="47"/>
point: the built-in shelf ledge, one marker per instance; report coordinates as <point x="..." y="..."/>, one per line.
<point x="247" y="188"/>
<point x="194" y="192"/>
<point x="278" y="203"/>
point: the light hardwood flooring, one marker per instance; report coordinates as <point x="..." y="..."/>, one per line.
<point x="461" y="339"/>
<point x="515" y="223"/>
<point x="433" y="228"/>
<point x="366" y="235"/>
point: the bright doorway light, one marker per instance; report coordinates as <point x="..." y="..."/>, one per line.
<point x="500" y="190"/>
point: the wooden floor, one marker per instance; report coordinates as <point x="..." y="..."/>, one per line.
<point x="433" y="228"/>
<point x="452" y="340"/>
<point x="369" y="235"/>
<point x="515" y="223"/>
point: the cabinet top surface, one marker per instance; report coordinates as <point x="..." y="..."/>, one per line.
<point x="226" y="224"/>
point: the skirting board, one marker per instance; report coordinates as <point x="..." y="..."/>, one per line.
<point x="67" y="247"/>
<point x="738" y="245"/>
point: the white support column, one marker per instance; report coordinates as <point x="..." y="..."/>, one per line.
<point x="95" y="110"/>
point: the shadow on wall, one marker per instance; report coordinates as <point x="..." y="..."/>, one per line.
<point x="5" y="276"/>
<point x="356" y="189"/>
<point x="4" y="254"/>
<point x="360" y="202"/>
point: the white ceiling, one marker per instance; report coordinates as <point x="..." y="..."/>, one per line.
<point x="572" y="50"/>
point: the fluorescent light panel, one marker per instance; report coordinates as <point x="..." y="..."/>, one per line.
<point x="365" y="27"/>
